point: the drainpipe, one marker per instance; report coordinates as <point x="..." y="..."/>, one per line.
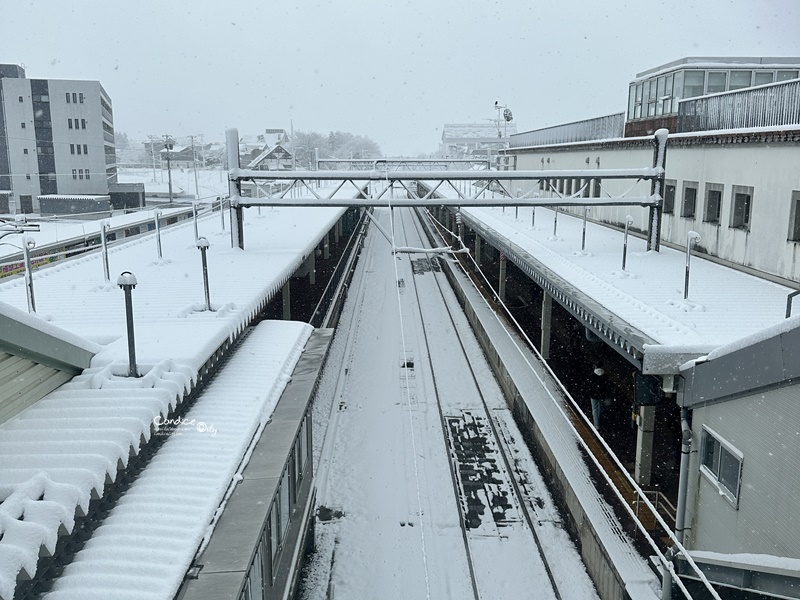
<point x="680" y="512"/>
<point x="686" y="445"/>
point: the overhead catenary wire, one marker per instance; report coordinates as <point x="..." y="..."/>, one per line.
<point x="666" y="564"/>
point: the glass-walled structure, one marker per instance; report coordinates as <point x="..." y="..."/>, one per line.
<point x="653" y="96"/>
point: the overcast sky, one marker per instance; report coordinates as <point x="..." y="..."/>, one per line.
<point x="394" y="72"/>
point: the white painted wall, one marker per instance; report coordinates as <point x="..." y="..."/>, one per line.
<point x="773" y="170"/>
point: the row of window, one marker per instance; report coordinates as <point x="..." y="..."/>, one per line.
<point x="76" y="98"/>
<point x="79" y="173"/>
<point x="722" y="464"/>
<point x="75" y="124"/>
<point x="741" y="202"/>
<point x="263" y="570"/>
<point x="76" y="149"/>
<point x="660" y="95"/>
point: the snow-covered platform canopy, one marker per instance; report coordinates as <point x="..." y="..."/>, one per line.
<point x="641" y="310"/>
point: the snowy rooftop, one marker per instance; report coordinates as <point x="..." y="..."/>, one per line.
<point x="61" y="452"/>
<point x="724" y="304"/>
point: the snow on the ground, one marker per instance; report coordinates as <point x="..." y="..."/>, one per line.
<point x="60" y="451"/>
<point x="148" y="541"/>
<point x="384" y="463"/>
<point x="724" y="304"/>
<point x="212" y="182"/>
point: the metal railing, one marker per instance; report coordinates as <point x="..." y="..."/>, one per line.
<point x="600" y="128"/>
<point x="770" y="105"/>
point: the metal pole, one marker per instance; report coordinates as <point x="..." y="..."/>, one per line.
<point x="104" y="226"/>
<point x="158" y="232"/>
<point x="628" y="221"/>
<point x="691" y="238"/>
<point x="555" y="221"/>
<point x="194" y="218"/>
<point x="202" y="244"/>
<point x="533" y="216"/>
<point x="222" y="211"/>
<point x="127" y="281"/>
<point x="583" y="235"/>
<point x="657" y="188"/>
<point x="194" y="162"/>
<point x="28" y="245"/>
<point x="169" y="178"/>
<point x="237" y="233"/>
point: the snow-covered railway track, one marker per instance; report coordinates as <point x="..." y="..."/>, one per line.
<point x="496" y="516"/>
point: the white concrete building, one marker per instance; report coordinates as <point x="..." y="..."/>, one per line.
<point x="57" y="139"/>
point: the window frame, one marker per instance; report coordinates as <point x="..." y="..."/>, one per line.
<point x="744" y="221"/>
<point x="687" y="185"/>
<point x="719" y="189"/>
<point x="713" y="472"/>
<point x="668" y="204"/>
<point x="794" y="218"/>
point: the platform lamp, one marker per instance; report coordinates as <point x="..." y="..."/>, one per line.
<point x="127" y="281"/>
<point x="691" y="238"/>
<point x="202" y="245"/>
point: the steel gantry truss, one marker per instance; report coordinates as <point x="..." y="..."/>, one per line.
<point x="400" y="164"/>
<point x="375" y="187"/>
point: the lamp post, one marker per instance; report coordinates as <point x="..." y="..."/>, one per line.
<point x="157" y="213"/>
<point x="202" y="245"/>
<point x="29" y="244"/>
<point x="104" y="227"/>
<point x="169" y="145"/>
<point x="586" y="210"/>
<point x="691" y="238"/>
<point x="628" y="221"/>
<point x="127" y="281"/>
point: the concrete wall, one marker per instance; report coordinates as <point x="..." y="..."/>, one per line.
<point x="764" y="426"/>
<point x="769" y="165"/>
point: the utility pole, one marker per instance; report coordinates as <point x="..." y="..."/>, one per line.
<point x="194" y="162"/>
<point x="152" y="139"/>
<point x="169" y="145"/>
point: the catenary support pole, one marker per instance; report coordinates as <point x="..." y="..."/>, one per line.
<point x="644" y="444"/>
<point x="501" y="288"/>
<point x="234" y="190"/>
<point x="657" y="189"/>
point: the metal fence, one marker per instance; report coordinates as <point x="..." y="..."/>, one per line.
<point x="769" y="105"/>
<point x="600" y="128"/>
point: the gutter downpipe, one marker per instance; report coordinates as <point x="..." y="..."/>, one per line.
<point x="680" y="512"/>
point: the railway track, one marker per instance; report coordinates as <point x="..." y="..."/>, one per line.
<point x="496" y="516"/>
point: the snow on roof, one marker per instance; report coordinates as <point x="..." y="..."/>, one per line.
<point x="148" y="541"/>
<point x="649" y="294"/>
<point x="36" y="322"/>
<point x="59" y="452"/>
<point x="455" y="131"/>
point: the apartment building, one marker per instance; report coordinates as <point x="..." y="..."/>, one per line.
<point x="57" y="140"/>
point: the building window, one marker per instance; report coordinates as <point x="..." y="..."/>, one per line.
<point x="80" y="97"/>
<point x="794" y="218"/>
<point x="87" y="173"/>
<point x="74" y="97"/>
<point x="72" y="148"/>
<point x="80" y="173"/>
<point x="740" y="79"/>
<point x="693" y="83"/>
<point x="22" y="125"/>
<point x="78" y="147"/>
<point x="763" y="77"/>
<point x="669" y="197"/>
<point x="742" y="197"/>
<point x="83" y="123"/>
<point x="69" y="123"/>
<point x="689" y="199"/>
<point x="20" y="99"/>
<point x="780" y="76"/>
<point x="24" y="150"/>
<point x="74" y="173"/>
<point x="713" y="202"/>
<point x="28" y="176"/>
<point x="722" y="464"/>
<point x="67" y="97"/>
<point x="85" y="149"/>
<point x="717" y="82"/>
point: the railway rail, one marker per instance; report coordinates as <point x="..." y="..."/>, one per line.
<point x="483" y="473"/>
